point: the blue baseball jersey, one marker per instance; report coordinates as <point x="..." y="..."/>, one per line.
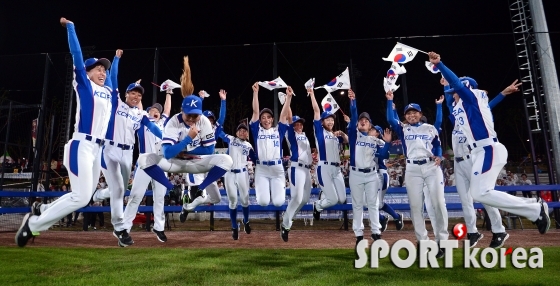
<point x="327" y="144"/>
<point x="176" y="130"/>
<point x="268" y="142"/>
<point x="475" y="118"/>
<point x="238" y="149"/>
<point x="124" y="123"/>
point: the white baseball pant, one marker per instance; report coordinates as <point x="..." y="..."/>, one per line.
<point x="487" y="163"/>
<point x="364" y="185"/>
<point x="82" y="159"/>
<point x="235" y="182"/>
<point x="332" y="184"/>
<point x="117" y="174"/>
<point x="415" y="177"/>
<point x="139" y="186"/>
<point x="463" y="184"/>
<point x="383" y="177"/>
<point x="429" y="208"/>
<point x="300" y="191"/>
<point x="270" y="183"/>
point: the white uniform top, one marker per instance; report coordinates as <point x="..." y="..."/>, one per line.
<point x="238" y="150"/>
<point x="147" y="141"/>
<point x="176" y="130"/>
<point x="124" y="123"/>
<point x="268" y="142"/>
<point x="299" y="146"/>
<point x="475" y="119"/>
<point x="327" y="144"/>
<point x="459" y="142"/>
<point x="419" y="140"/>
<point x="93" y="106"/>
<point x="363" y="155"/>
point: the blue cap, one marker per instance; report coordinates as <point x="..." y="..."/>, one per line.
<point x="327" y="114"/>
<point x="91" y="62"/>
<point x="192" y="104"/>
<point x="379" y="129"/>
<point x="412" y="106"/>
<point x="296" y="118"/>
<point x="467" y="81"/>
<point x="208" y="113"/>
<point x="135" y="86"/>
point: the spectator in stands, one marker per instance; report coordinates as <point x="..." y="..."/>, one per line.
<point x="450" y="178"/>
<point x="102" y="183"/>
<point x="394" y="182"/>
<point x="525" y="182"/>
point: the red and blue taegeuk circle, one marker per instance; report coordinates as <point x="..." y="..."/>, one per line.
<point x="327" y="107"/>
<point x="332" y="82"/>
<point x="271" y="83"/>
<point x="390" y="73"/>
<point x="399" y="58"/>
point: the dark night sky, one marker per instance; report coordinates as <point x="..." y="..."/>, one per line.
<point x="314" y="39"/>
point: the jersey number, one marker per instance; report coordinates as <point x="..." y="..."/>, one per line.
<point x="462" y="139"/>
<point x="276" y="143"/>
<point x="461" y="121"/>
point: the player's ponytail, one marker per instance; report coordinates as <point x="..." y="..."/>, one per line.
<point x="187" y="87"/>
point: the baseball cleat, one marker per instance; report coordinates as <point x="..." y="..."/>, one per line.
<point x="247" y="227"/>
<point x="183" y="215"/>
<point x="543" y="222"/>
<point x="235" y="233"/>
<point x="284" y="233"/>
<point x="440" y="252"/>
<point x="36" y="208"/>
<point x="24" y="234"/>
<point x="399" y="223"/>
<point x="123" y="238"/>
<point x="498" y="239"/>
<point x="358" y="239"/>
<point x="316" y="213"/>
<point x="160" y="235"/>
<point x="376" y="236"/>
<point x="384" y="221"/>
<point x="474" y="238"/>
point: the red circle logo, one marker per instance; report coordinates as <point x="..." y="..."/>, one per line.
<point x="459" y="231"/>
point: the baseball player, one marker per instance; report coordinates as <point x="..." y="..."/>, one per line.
<point x="474" y="117"/>
<point x="380" y="158"/>
<point x="149" y="142"/>
<point x="364" y="185"/>
<point x="237" y="179"/>
<point x="328" y="168"/>
<point x="270" y="182"/>
<point x="299" y="172"/>
<point x="423" y="152"/>
<point x="82" y="154"/>
<point x="188" y="147"/>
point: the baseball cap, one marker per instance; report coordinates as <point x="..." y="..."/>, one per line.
<point x="208" y="113"/>
<point x="296" y="118"/>
<point x="467" y="81"/>
<point x="364" y="115"/>
<point x="266" y="110"/>
<point x="412" y="106"/>
<point x="192" y="104"/>
<point x="92" y="62"/>
<point x="327" y="114"/>
<point x="242" y="126"/>
<point x="156" y="106"/>
<point x="379" y="129"/>
<point x="135" y="86"/>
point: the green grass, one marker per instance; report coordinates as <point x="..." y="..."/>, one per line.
<point x="177" y="266"/>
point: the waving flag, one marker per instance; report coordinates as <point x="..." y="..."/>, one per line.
<point x="431" y="67"/>
<point x="342" y="81"/>
<point x="204" y="94"/>
<point x="329" y="104"/>
<point x="274" y="84"/>
<point x="282" y="97"/>
<point x="310" y="84"/>
<point x="169" y="85"/>
<point x="389" y="85"/>
<point x="401" y="54"/>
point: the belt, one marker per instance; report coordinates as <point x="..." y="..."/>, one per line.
<point x="304" y="166"/>
<point x="83" y="136"/>
<point x="365" y="170"/>
<point x="419" y="162"/>
<point x="336" y="164"/>
<point x="119" y="145"/>
<point x="269" y="163"/>
<point x="482" y="143"/>
<point x="461" y="159"/>
<point x="238" y="170"/>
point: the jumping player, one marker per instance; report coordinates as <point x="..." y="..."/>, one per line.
<point x="270" y="182"/>
<point x="328" y="168"/>
<point x="364" y="181"/>
<point x="82" y="154"/>
<point x="299" y="172"/>
<point x="423" y="152"/>
<point x="475" y="119"/>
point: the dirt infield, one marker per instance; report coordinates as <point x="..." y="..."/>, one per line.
<point x="308" y="239"/>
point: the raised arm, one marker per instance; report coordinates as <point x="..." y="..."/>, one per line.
<point x="114" y="72"/>
<point x="316" y="110"/>
<point x="353" y="109"/>
<point x="514" y="87"/>
<point x="167" y="104"/>
<point x="73" y="43"/>
<point x="222" y="117"/>
<point x="390" y="116"/>
<point x="286" y="107"/>
<point x="255" y="116"/>
<point x="463" y="92"/>
<point x="439" y="113"/>
<point x="290" y="115"/>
